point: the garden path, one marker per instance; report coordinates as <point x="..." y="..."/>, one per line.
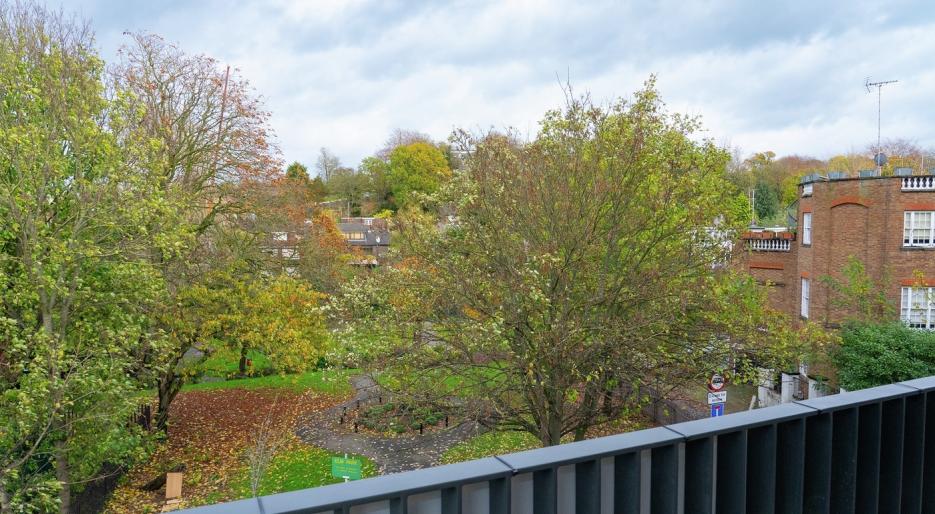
<point x="391" y="454"/>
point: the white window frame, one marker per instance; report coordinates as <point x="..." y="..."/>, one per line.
<point x="806" y="294"/>
<point x="806" y="228"/>
<point x="807" y="190"/>
<point x="909" y="229"/>
<point x="925" y="309"/>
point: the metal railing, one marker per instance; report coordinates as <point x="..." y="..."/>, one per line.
<point x="865" y="451"/>
<point x="769" y="245"/>
<point x="919" y="183"/>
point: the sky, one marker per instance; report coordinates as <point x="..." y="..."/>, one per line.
<point x="343" y="74"/>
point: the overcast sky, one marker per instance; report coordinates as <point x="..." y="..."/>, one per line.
<point x="781" y="76"/>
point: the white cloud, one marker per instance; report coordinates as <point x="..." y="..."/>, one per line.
<point x="343" y="74"/>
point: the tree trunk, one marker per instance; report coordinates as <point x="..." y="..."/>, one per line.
<point x="243" y="360"/>
<point x="5" y="507"/>
<point x="169" y="386"/>
<point x="64" y="477"/>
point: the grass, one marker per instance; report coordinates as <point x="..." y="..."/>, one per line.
<point x="489" y="444"/>
<point x="331" y="381"/>
<point x="299" y="467"/>
<point x="738" y="396"/>
<point x="226" y="362"/>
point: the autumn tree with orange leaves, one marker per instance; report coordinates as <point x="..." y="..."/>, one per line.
<point x="206" y="138"/>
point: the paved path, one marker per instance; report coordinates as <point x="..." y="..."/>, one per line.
<point x="391" y="454"/>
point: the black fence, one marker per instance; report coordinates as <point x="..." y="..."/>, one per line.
<point x="865" y="451"/>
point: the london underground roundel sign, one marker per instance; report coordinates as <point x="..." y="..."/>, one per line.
<point x="716" y="383"/>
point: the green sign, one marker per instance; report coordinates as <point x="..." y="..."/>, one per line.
<point x="344" y="467"/>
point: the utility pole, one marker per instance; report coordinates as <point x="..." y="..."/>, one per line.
<point x="879" y="158"/>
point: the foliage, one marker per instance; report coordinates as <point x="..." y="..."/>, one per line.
<point x="299" y="467"/>
<point x="766" y="202"/>
<point x="209" y="435"/>
<point x="330" y="381"/>
<point x="873" y="354"/>
<point x="579" y="266"/>
<point x="281" y="319"/>
<point x="349" y="185"/>
<point x="75" y="290"/>
<point x="206" y="141"/>
<point x="325" y="259"/>
<point x="415" y="168"/>
<point x="490" y="444"/>
<point x="857" y="295"/>
<point x="396" y="417"/>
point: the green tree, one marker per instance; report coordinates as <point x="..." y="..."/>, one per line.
<point x="766" y="203"/>
<point x="347" y="184"/>
<point x="415" y="168"/>
<point x="579" y="267"/>
<point x="297" y="171"/>
<point x="75" y="286"/>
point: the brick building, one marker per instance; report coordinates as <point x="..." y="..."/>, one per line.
<point x="888" y="223"/>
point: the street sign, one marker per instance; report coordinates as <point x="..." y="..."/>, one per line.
<point x="717" y="409"/>
<point x="718" y="397"/>
<point x="716" y="383"/>
<point x="346" y="468"/>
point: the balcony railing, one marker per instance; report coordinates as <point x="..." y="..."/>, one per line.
<point x="919" y="183"/>
<point x="769" y="245"/>
<point x="871" y="450"/>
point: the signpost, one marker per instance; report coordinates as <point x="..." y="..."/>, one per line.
<point x="717" y="409"/>
<point x="716" y="383"/>
<point x="346" y="468"/>
<point x="717" y="396"/>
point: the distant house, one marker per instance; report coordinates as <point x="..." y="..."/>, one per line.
<point x="284" y="248"/>
<point x="370" y="235"/>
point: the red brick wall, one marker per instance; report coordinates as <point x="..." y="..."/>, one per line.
<point x="859" y="217"/>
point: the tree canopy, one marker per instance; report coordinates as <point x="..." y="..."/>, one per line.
<point x="578" y="268"/>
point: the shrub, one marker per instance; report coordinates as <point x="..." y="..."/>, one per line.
<point x="873" y="354"/>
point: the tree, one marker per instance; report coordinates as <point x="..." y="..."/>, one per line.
<point x="205" y="141"/>
<point x="376" y="172"/>
<point x="579" y="268"/>
<point x="401" y="137"/>
<point x="75" y="286"/>
<point x="326" y="164"/>
<point x="297" y="171"/>
<point x="766" y="203"/>
<point x="350" y="186"/>
<point x="281" y="319"/>
<point x="415" y="168"/>
<point x="325" y="259"/>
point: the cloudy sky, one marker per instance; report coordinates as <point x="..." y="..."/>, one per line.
<point x="342" y="74"/>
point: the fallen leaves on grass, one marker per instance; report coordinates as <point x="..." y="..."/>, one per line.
<point x="209" y="432"/>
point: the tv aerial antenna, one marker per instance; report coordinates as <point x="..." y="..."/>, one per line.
<point x="879" y="158"/>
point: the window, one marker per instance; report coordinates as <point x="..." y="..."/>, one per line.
<point x="919" y="228"/>
<point x="280" y="236"/>
<point x="917" y="307"/>
<point x="805" y="296"/>
<point x="354" y="236"/>
<point x="806" y="228"/>
<point x="807" y="190"/>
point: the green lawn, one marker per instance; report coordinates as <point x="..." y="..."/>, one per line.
<point x="299" y="467"/>
<point x="226" y="363"/>
<point x="489" y="444"/>
<point x="332" y="381"/>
